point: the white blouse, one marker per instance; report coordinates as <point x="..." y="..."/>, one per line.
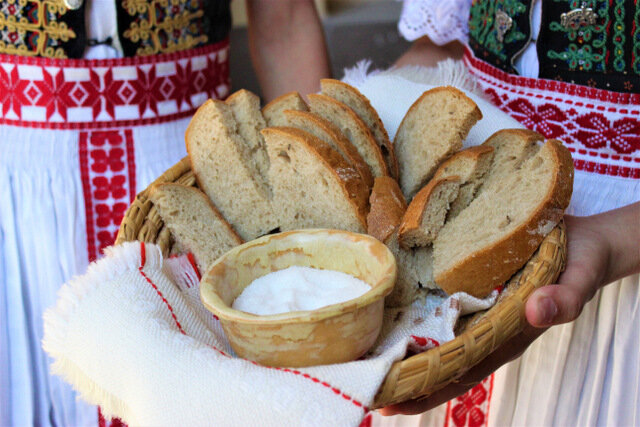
<point x="446" y="21"/>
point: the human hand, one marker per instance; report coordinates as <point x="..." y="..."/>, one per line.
<point x="600" y="249"/>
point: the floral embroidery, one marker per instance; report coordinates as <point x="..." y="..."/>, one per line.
<point x="586" y="50"/>
<point x="472" y="408"/>
<point x="636" y="41"/>
<point x="618" y="36"/>
<point x="163" y="26"/>
<point x="34" y="28"/>
<point x="483" y="29"/>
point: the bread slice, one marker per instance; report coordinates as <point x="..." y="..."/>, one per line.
<point x="511" y="148"/>
<point x="427" y="212"/>
<point x="222" y="164"/>
<point x="246" y="111"/>
<point x="353" y="128"/>
<point x="471" y="166"/>
<point x="194" y="222"/>
<point x="498" y="232"/>
<point x="329" y="133"/>
<point x="273" y="111"/>
<point x="414" y="266"/>
<point x="431" y="131"/>
<point x="386" y="208"/>
<point x="415" y="273"/>
<point x="359" y="103"/>
<point x="313" y="186"/>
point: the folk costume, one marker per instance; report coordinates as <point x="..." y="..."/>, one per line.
<point x="95" y="96"/>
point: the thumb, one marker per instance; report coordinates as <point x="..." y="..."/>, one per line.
<point x="561" y="303"/>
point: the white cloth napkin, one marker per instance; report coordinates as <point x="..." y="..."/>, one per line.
<point x="144" y="348"/>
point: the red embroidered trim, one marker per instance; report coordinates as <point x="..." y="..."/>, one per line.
<point x="552" y="85"/>
<point x="107" y="169"/>
<point x="472" y="408"/>
<point x="89" y="94"/>
<point x="603" y="138"/>
<point x="313" y="379"/>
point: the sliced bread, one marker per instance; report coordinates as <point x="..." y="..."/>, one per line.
<point x="414" y="266"/>
<point x="359" y="103"/>
<point x="431" y="131"/>
<point x="246" y="111"/>
<point x="194" y="222"/>
<point x="386" y="208"/>
<point x="471" y="166"/>
<point x="313" y="186"/>
<point x="427" y="212"/>
<point x="221" y="162"/>
<point x="353" y="128"/>
<point x="329" y="133"/>
<point x="498" y="232"/>
<point x="273" y="111"/>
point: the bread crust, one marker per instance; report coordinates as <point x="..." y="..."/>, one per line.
<point x="354" y="188"/>
<point x="412" y="219"/>
<point x="273" y="110"/>
<point x="379" y="167"/>
<point x="482" y="271"/>
<point x="387" y="206"/>
<point x="362" y="106"/>
<point x="338" y="138"/>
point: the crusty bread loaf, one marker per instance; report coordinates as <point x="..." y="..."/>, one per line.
<point x="470" y="166"/>
<point x="352" y="127"/>
<point x="431" y="131"/>
<point x="329" y="133"/>
<point x="224" y="170"/>
<point x="427" y="212"/>
<point x="273" y="111"/>
<point x="195" y="223"/>
<point x="313" y="186"/>
<point x="246" y="112"/>
<point x="414" y="266"/>
<point x="386" y="208"/>
<point x="359" y="103"/>
<point x="498" y="232"/>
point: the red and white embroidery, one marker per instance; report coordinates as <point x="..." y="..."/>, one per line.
<point x="107" y="167"/>
<point x="600" y="128"/>
<point x="472" y="408"/>
<point x="81" y="94"/>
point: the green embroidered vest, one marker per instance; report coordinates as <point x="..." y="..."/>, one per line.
<point x="588" y="42"/>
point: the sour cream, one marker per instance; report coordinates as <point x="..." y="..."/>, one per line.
<point x="298" y="288"/>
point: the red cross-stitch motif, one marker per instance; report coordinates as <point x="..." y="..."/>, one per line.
<point x="107" y="167"/>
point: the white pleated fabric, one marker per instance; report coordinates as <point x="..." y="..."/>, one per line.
<point x="43" y="243"/>
<point x="583" y="373"/>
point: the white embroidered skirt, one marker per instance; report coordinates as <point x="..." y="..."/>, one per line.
<point x="78" y="140"/>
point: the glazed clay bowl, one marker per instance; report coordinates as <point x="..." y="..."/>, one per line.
<point x="331" y="334"/>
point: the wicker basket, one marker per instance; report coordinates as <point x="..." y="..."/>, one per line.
<point x="422" y="374"/>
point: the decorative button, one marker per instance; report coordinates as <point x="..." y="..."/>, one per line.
<point x="503" y="24"/>
<point x="73" y="4"/>
<point x="576" y="18"/>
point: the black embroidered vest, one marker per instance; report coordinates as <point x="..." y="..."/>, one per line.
<point x="47" y="28"/>
<point x="588" y="42"/>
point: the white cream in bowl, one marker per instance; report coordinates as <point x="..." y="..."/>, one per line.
<point x="298" y="289"/>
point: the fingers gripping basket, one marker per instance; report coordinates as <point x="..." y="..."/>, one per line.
<point x="422" y="374"/>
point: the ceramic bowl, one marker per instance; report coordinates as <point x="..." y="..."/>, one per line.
<point x="331" y="334"/>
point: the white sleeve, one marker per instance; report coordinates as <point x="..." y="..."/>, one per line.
<point x="442" y="20"/>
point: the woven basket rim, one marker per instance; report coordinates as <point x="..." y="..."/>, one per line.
<point x="422" y="374"/>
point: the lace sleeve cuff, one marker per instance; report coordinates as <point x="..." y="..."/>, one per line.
<point x="443" y="21"/>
